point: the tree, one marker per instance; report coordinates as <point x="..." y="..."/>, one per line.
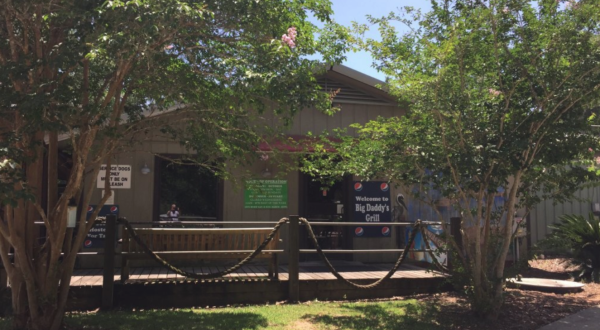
<point x="499" y="95"/>
<point x="98" y="72"/>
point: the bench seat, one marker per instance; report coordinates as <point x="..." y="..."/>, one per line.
<point x="199" y="244"/>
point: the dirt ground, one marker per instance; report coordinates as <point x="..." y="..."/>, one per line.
<point x="523" y="310"/>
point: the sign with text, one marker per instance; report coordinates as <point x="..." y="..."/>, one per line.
<point x="371" y="203"/>
<point x="120" y="176"/>
<point x="266" y="194"/>
<point x="95" y="238"/>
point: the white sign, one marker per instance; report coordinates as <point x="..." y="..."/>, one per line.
<point x="120" y="176"/>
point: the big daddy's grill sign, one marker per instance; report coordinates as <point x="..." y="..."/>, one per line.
<point x="371" y="203"/>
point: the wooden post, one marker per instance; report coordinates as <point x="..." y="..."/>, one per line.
<point x="108" y="280"/>
<point x="3" y="279"/>
<point x="455" y="228"/>
<point x="294" y="259"/>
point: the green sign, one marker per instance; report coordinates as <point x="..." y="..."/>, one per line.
<point x="266" y="194"/>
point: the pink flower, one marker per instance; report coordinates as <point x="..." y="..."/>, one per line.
<point x="290" y="37"/>
<point x="590" y="150"/>
<point x="169" y="47"/>
<point x="292" y="33"/>
<point x="494" y="92"/>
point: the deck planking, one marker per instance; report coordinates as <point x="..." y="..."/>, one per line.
<point x="308" y="272"/>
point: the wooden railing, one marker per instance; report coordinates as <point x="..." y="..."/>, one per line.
<point x="292" y="249"/>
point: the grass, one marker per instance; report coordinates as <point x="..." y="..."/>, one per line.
<point x="400" y="314"/>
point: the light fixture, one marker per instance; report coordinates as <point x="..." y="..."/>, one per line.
<point x="266" y="173"/>
<point x="145" y="169"/>
<point x="71" y="216"/>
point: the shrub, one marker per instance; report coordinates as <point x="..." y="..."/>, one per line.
<point x="582" y="237"/>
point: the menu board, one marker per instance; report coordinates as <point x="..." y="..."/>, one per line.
<point x="266" y="194"/>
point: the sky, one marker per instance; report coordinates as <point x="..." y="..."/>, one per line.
<point x="347" y="11"/>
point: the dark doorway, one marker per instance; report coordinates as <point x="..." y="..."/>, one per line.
<point x="195" y="190"/>
<point x="325" y="204"/>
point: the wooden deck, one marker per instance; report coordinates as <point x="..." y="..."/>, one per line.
<point x="155" y="287"/>
<point x="309" y="271"/>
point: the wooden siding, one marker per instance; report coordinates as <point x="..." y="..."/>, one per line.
<point x="546" y="213"/>
<point x="314" y="121"/>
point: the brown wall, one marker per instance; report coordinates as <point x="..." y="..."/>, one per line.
<point x="136" y="204"/>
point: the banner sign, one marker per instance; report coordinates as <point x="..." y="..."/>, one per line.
<point x="371" y="203"/>
<point x="120" y="176"/>
<point x="432" y="232"/>
<point x="96" y="235"/>
<point x="266" y="194"/>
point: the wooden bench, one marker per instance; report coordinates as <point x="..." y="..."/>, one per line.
<point x="202" y="243"/>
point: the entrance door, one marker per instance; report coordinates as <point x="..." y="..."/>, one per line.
<point x="325" y="205"/>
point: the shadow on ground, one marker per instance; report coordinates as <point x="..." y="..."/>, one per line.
<point x="376" y="317"/>
<point x="165" y="319"/>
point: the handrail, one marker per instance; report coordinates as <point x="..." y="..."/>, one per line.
<point x="204" y="252"/>
<point x="207" y="222"/>
<point x="192" y="222"/>
<point x="364" y="251"/>
<point x="203" y="229"/>
<point x="187" y="217"/>
<point x="361" y="224"/>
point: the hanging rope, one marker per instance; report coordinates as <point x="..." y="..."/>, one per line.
<point x="418" y="227"/>
<point x="397" y="265"/>
<point x="181" y="272"/>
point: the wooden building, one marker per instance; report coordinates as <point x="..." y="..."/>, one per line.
<point x="145" y="196"/>
<point x="360" y="100"/>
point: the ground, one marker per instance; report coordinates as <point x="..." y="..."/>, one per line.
<point x="524" y="310"/>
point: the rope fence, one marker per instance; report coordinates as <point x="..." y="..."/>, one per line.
<point x="354" y="284"/>
<point x="181" y="272"/>
<point x="418" y="227"/>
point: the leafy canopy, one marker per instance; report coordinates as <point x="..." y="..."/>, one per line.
<point x="500" y="98"/>
<point x="491" y="88"/>
<point x="74" y="66"/>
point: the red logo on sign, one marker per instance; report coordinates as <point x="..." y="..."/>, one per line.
<point x="359" y="231"/>
<point x="385" y="187"/>
<point x="90" y="208"/>
<point x="385" y="231"/>
<point x="358" y="186"/>
<point x="114" y="209"/>
<point x="87" y="243"/>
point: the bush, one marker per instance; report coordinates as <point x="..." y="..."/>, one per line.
<point x="582" y="237"/>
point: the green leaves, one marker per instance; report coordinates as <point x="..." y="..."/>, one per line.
<point x="582" y="237"/>
<point x="492" y="89"/>
<point x="501" y="97"/>
<point x="222" y="59"/>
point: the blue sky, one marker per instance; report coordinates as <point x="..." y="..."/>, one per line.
<point x="347" y="11"/>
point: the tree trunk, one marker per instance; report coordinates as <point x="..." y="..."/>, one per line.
<point x="19" y="303"/>
<point x="488" y="299"/>
<point x="50" y="312"/>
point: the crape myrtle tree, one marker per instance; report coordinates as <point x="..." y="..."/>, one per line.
<point x="499" y="95"/>
<point x="98" y="73"/>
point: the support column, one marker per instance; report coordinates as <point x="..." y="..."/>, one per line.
<point x="108" y="280"/>
<point x="294" y="259"/>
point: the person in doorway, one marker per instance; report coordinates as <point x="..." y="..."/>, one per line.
<point x="173" y="213"/>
